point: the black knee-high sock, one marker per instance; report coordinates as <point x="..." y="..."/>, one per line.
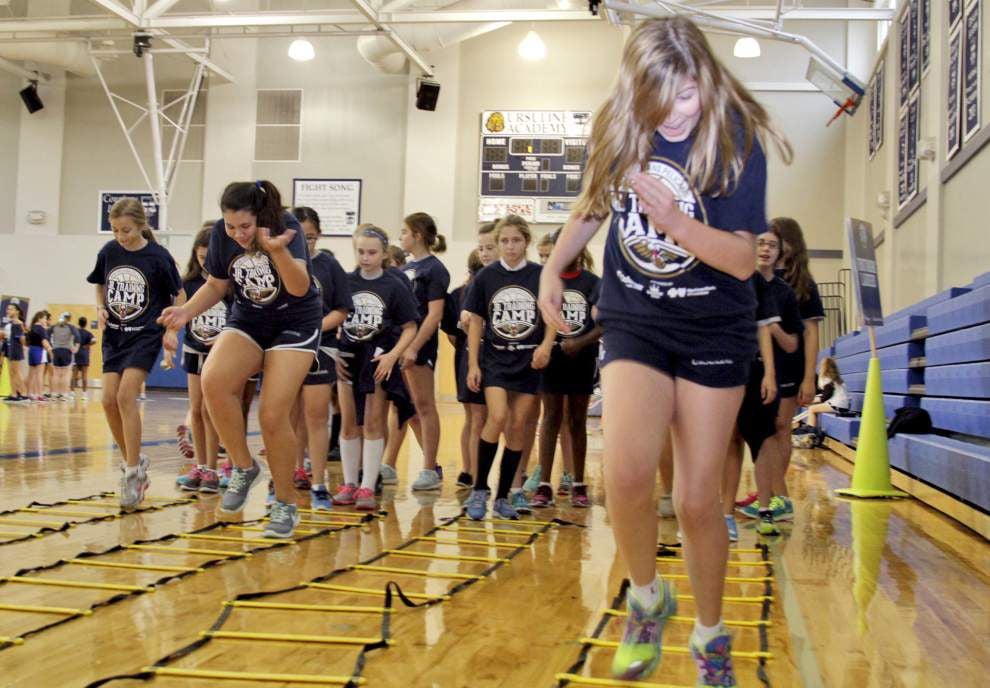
<point x="335" y="431"/>
<point x="510" y="462"/>
<point x="486" y="457"/>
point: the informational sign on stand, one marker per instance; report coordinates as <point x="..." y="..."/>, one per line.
<point x="863" y="259"/>
<point x="21" y="301"/>
<point x="971" y="71"/>
<point x="336" y="201"/>
<point x="533" y="159"/>
<point x="877" y="109"/>
<point x="108" y="198"/>
<point x="953" y="139"/>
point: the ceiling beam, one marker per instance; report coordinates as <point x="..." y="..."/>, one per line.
<point x="158" y="9"/>
<point x="371" y="15"/>
<point x="118" y="9"/>
<point x="199" y="57"/>
<point x="17" y="70"/>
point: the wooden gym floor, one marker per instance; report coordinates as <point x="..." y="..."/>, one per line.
<point x="866" y="594"/>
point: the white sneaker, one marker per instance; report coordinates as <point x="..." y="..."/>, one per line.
<point x="389" y="476"/>
<point x="665" y="508"/>
<point x="427" y="480"/>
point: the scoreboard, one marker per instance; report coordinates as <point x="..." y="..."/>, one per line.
<point x="532" y="162"/>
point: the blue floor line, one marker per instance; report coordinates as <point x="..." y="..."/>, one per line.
<point x="80" y="450"/>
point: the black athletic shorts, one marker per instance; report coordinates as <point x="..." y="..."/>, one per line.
<point x="193" y="361"/>
<point x="122" y="350"/>
<point x="569" y="374"/>
<point x="271" y="332"/>
<point x="428" y="354"/>
<point x="757" y="421"/>
<point x="524" y="381"/>
<point x="62" y="358"/>
<point x="465" y="394"/>
<point x="708" y="367"/>
<point x="324" y="369"/>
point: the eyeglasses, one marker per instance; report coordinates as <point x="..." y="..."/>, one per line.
<point x="766" y="243"/>
<point x="312" y="238"/>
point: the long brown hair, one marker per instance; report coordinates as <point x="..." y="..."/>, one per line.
<point x="517" y="222"/>
<point x="262" y="199"/>
<point x="796" y="271"/>
<point x="830" y="369"/>
<point x="659" y="54"/>
<point x="425" y="227"/>
<point x="134" y="209"/>
<point x="202" y="240"/>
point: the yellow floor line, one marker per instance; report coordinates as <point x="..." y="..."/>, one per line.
<point x="688" y="619"/>
<point x="243" y="541"/>
<point x="413" y="572"/>
<point x="254" y="676"/>
<point x="589" y="681"/>
<point x="380" y="592"/>
<point x="344" y="609"/>
<point x="290" y="638"/>
<point x="189" y="550"/>
<point x="58" y="583"/>
<point x="736" y="654"/>
<point x="445" y="557"/>
<point x="477" y="543"/>
<point x="133" y="567"/>
<point x="32" y="609"/>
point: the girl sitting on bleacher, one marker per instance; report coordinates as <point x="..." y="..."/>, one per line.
<point x="832" y="397"/>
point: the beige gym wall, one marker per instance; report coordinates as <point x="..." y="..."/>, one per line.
<point x="10" y="125"/>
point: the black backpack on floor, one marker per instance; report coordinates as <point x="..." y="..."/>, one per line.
<point x="910" y="421"/>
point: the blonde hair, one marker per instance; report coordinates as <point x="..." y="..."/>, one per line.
<point x="517" y="222"/>
<point x="657" y="57"/>
<point x="134" y="209"/>
<point x="830" y="369"/>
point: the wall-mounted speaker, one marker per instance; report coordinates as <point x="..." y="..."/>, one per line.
<point x="427" y="93"/>
<point x="32" y="101"/>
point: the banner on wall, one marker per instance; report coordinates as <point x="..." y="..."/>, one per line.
<point x="955" y="13"/>
<point x="336" y="201"/>
<point x="971" y="68"/>
<point x="953" y="140"/>
<point x="914" y="45"/>
<point x="22" y="301"/>
<point x="108" y="198"/>
<point x="491" y="209"/>
<point x="877" y="109"/>
<point x="903" y="76"/>
<point x="863" y="258"/>
<point x="925" y="23"/>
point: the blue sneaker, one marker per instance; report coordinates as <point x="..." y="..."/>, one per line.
<point x="319" y="499"/>
<point x="783" y="509"/>
<point x="238" y="487"/>
<point x="642" y="643"/>
<point x="191" y="480"/>
<point x="476" y="505"/>
<point x="519" y="502"/>
<point x="751" y="510"/>
<point x="503" y="509"/>
<point x="533" y="481"/>
<point x="714" y="661"/>
<point x="566" y="484"/>
<point x="730" y="523"/>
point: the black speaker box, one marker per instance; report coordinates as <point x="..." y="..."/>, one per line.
<point x="427" y="93"/>
<point x="32" y="101"/>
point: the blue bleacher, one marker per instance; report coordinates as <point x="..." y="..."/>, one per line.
<point x="855" y="382"/>
<point x="966" y="310"/>
<point x="891" y="402"/>
<point x="900" y="380"/>
<point x="921" y="308"/>
<point x="852" y="343"/>
<point x="843" y="428"/>
<point x="857" y="363"/>
<point x="968" y="380"/>
<point x="900" y="355"/>
<point x="968" y="416"/>
<point x="961" y="346"/>
<point x="960" y="468"/>
<point x="899" y="330"/>
<point x="982" y="280"/>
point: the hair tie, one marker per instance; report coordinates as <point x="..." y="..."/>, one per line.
<point x="369" y="232"/>
<point x="261" y="187"/>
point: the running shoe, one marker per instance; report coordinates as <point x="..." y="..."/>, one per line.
<point x="283" y="520"/>
<point x="579" y="497"/>
<point x="465" y="480"/>
<point x="319" y="499"/>
<point x="714" y="661"/>
<point x="300" y="479"/>
<point x="533" y="481"/>
<point x="520" y="503"/>
<point x="783" y="509"/>
<point x="765" y="526"/>
<point x="747" y="500"/>
<point x="639" y="651"/>
<point x="389" y="475"/>
<point x="364" y="500"/>
<point x="476" y="505"/>
<point x="225" y="468"/>
<point x="439" y="471"/>
<point x="751" y="510"/>
<point x="134" y="484"/>
<point x="346" y="495"/>
<point x="238" y="487"/>
<point x="665" y="507"/>
<point x="191" y="480"/>
<point x="566" y="483"/>
<point x="544" y="497"/>
<point x="504" y="510"/>
<point x="209" y="482"/>
<point x="427" y="480"/>
<point x="730" y="523"/>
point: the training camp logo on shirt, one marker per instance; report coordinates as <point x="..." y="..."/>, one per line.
<point x="206" y="327"/>
<point x="365" y="321"/>
<point x="257" y="277"/>
<point x="644" y="247"/>
<point x="513" y="313"/>
<point x="127" y="292"/>
<point x="574" y="311"/>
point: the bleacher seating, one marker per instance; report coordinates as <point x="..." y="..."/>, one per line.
<point x="934" y="354"/>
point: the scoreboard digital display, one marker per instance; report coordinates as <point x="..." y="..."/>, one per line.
<point x="533" y="160"/>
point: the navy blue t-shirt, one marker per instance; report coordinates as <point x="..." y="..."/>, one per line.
<point x="37" y="335"/>
<point x="581" y="292"/>
<point x="506" y="300"/>
<point x="335" y="290"/>
<point x="15" y="348"/>
<point x="203" y="330"/>
<point x="378" y="308"/>
<point x="257" y="284"/>
<point x="789" y="367"/>
<point x="430" y="281"/>
<point x="649" y="281"/>
<point x="85" y="343"/>
<point x="137" y="285"/>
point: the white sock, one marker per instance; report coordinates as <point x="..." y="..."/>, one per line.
<point x="704" y="634"/>
<point x="201" y="466"/>
<point x="578" y="484"/>
<point x="372" y="462"/>
<point x="130" y="470"/>
<point x="318" y="486"/>
<point x="646" y="596"/>
<point x="350" y="457"/>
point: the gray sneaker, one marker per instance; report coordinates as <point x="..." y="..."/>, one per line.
<point x="427" y="480"/>
<point x="133" y="485"/>
<point x="237" y="489"/>
<point x="504" y="510"/>
<point x="284" y="519"/>
<point x="389" y="476"/>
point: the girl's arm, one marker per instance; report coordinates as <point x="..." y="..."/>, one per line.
<point x="475" y="327"/>
<point x="787" y="342"/>
<point x="431" y="322"/>
<point x="334" y="319"/>
<point x="768" y="386"/>
<point x="574" y="237"/>
<point x="47" y="346"/>
<point x="541" y="357"/>
<point x="573" y="346"/>
<point x="292" y="270"/>
<point x="210" y="294"/>
<point x="387" y="360"/>
<point x="101" y="309"/>
<point x="170" y="341"/>
<point x="807" y="391"/>
<point x="730" y="252"/>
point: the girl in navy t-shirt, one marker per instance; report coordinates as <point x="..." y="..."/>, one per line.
<point x="16" y="346"/>
<point x="420" y="240"/>
<point x="80" y="362"/>
<point x="135" y="280"/>
<point x="380" y="326"/>
<point x="201" y="333"/>
<point x="502" y="303"/>
<point x="39" y="353"/>
<point x="681" y="170"/>
<point x="273" y="325"/>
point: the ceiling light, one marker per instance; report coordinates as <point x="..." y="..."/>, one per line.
<point x="746" y="47"/>
<point x="301" y="50"/>
<point x="532" y="47"/>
